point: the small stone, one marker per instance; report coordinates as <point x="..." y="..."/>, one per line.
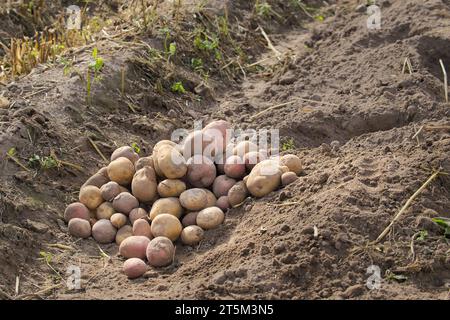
<point x="36" y="226"/>
<point x="353" y="291"/>
<point x="285" y="228"/>
<point x="279" y="248"/>
<point x="264" y="250"/>
<point x="4" y="103"/>
<point x="322" y="179"/>
<point x="219" y="278"/>
<point x="335" y="145"/>
<point x="172" y="113"/>
<point x="307" y="230"/>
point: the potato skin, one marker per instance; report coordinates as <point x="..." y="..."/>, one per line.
<point x="143" y="186"/>
<point x="166" y="205"/>
<point x="292" y="162"/>
<point x="170" y="162"/>
<point x="121" y="171"/>
<point x="210" y="218"/>
<point x="126" y="152"/>
<point x="125" y="202"/>
<point x="192" y="235"/>
<point x="210" y="197"/>
<point x="244" y="147"/>
<point x="104" y="211"/>
<point x="91" y="197"/>
<point x="123" y="233"/>
<point x="190" y="219"/>
<point x="288" y="178"/>
<point x="198" y="143"/>
<point x="171" y="188"/>
<point x="252" y="158"/>
<point x="97" y="180"/>
<point x="234" y="167"/>
<point x="110" y="190"/>
<point x="220" y="131"/>
<point x="80" y="228"/>
<point x="134" y="268"/>
<point x="154" y="155"/>
<point x="201" y="171"/>
<point x="194" y="199"/>
<point x="237" y="194"/>
<point x="264" y="178"/>
<point x="137" y="213"/>
<point x="166" y="225"/>
<point x="142" y="228"/>
<point x="134" y="247"/>
<point x="223" y="203"/>
<point x="118" y="220"/>
<point x="222" y="184"/>
<point x="144" y="162"/>
<point x="76" y="210"/>
<point x="160" y="252"/>
<point x="103" y="231"/>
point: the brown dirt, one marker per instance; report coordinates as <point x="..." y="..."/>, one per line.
<point x="353" y="129"/>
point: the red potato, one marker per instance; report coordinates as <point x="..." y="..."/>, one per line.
<point x="123" y="233"/>
<point x="210" y="218"/>
<point x="223" y="203"/>
<point x="192" y="235"/>
<point x="235" y="167"/>
<point x="137" y="213"/>
<point x="121" y="171"/>
<point x="91" y="197"/>
<point x="288" y="178"/>
<point x="118" y="220"/>
<point x="198" y="143"/>
<point x="220" y="131"/>
<point x="80" y="228"/>
<point x="166" y="205"/>
<point x="76" y="210"/>
<point x="144" y="162"/>
<point x="222" y="184"/>
<point x="292" y="162"/>
<point x="190" y="219"/>
<point x="244" y="147"/>
<point x="103" y="231"/>
<point x="143" y="186"/>
<point x="142" y="228"/>
<point x="126" y="152"/>
<point x="194" y="199"/>
<point x="134" y="268"/>
<point x="160" y="252"/>
<point x="110" y="190"/>
<point x="134" y="247"/>
<point x="125" y="202"/>
<point x="201" y="171"/>
<point x="166" y="225"/>
<point x="252" y="158"/>
<point x="104" y="211"/>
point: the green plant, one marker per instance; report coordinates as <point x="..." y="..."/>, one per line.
<point x="96" y="64"/>
<point x="45" y="163"/>
<point x="197" y="64"/>
<point x="287" y="145"/>
<point x="136" y="147"/>
<point x="390" y="276"/>
<point x="67" y="65"/>
<point x="444" y="223"/>
<point x="177" y="87"/>
<point x="263" y="8"/>
<point x="422" y="235"/>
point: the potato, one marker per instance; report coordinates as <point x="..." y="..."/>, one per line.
<point x="125" y="202"/>
<point x="76" y="210"/>
<point x="143" y="186"/>
<point x="210" y="218"/>
<point x="170" y="162"/>
<point x="166" y="205"/>
<point x="237" y="194"/>
<point x="192" y="235"/>
<point x="198" y="143"/>
<point x="121" y="171"/>
<point x="91" y="197"/>
<point x="104" y="211"/>
<point x="110" y="190"/>
<point x="292" y="162"/>
<point x="252" y="158"/>
<point x="155" y="154"/>
<point x="210" y="198"/>
<point x="96" y="180"/>
<point x="103" y="231"/>
<point x="171" y="188"/>
<point x="134" y="268"/>
<point x="142" y="228"/>
<point x="126" y="152"/>
<point x="222" y="184"/>
<point x="80" y="228"/>
<point x="284" y="169"/>
<point x="288" y="178"/>
<point x="137" y="213"/>
<point x="123" y="233"/>
<point x="144" y="162"/>
<point x="223" y="203"/>
<point x="166" y="225"/>
<point x="194" y="199"/>
<point x="201" y="171"/>
<point x="219" y="160"/>
<point x="160" y="252"/>
<point x="190" y="219"/>
<point x="134" y="247"/>
<point x="264" y="178"/>
<point x="234" y="167"/>
<point x="118" y="220"/>
<point x="123" y="189"/>
<point x="244" y="147"/>
<point x="245" y="179"/>
<point x="220" y="131"/>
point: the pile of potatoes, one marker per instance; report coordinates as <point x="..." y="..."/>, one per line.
<point x="145" y="204"/>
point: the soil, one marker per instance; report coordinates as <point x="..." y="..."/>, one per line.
<point x="353" y="117"/>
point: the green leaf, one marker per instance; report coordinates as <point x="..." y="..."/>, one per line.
<point x="172" y="48"/>
<point x="442" y="222"/>
<point x="95" y="53"/>
<point x="136" y="148"/>
<point x="12" y="151"/>
<point x="422" y="235"/>
<point x="177" y="87"/>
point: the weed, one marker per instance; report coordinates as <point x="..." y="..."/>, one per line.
<point x="177" y="87"/>
<point x="263" y="9"/>
<point x="136" y="147"/>
<point x="45" y="163"/>
<point x="96" y="64"/>
<point x="197" y="64"/>
<point x="287" y="145"/>
<point x="444" y="223"/>
<point x="390" y="276"/>
<point x="422" y="235"/>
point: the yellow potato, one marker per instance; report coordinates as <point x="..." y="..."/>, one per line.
<point x="192" y="235"/>
<point x="171" y="188"/>
<point x="292" y="162"/>
<point x="169" y="205"/>
<point x="237" y="194"/>
<point x="118" y="220"/>
<point x="210" y="218"/>
<point x="104" y="211"/>
<point x="144" y="162"/>
<point x="143" y="186"/>
<point x="194" y="199"/>
<point x="91" y="197"/>
<point x="125" y="151"/>
<point x="123" y="233"/>
<point x="121" y="171"/>
<point x="264" y="178"/>
<point x="166" y="225"/>
<point x="170" y="162"/>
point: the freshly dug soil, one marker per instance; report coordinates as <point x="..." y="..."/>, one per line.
<point x="352" y="120"/>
